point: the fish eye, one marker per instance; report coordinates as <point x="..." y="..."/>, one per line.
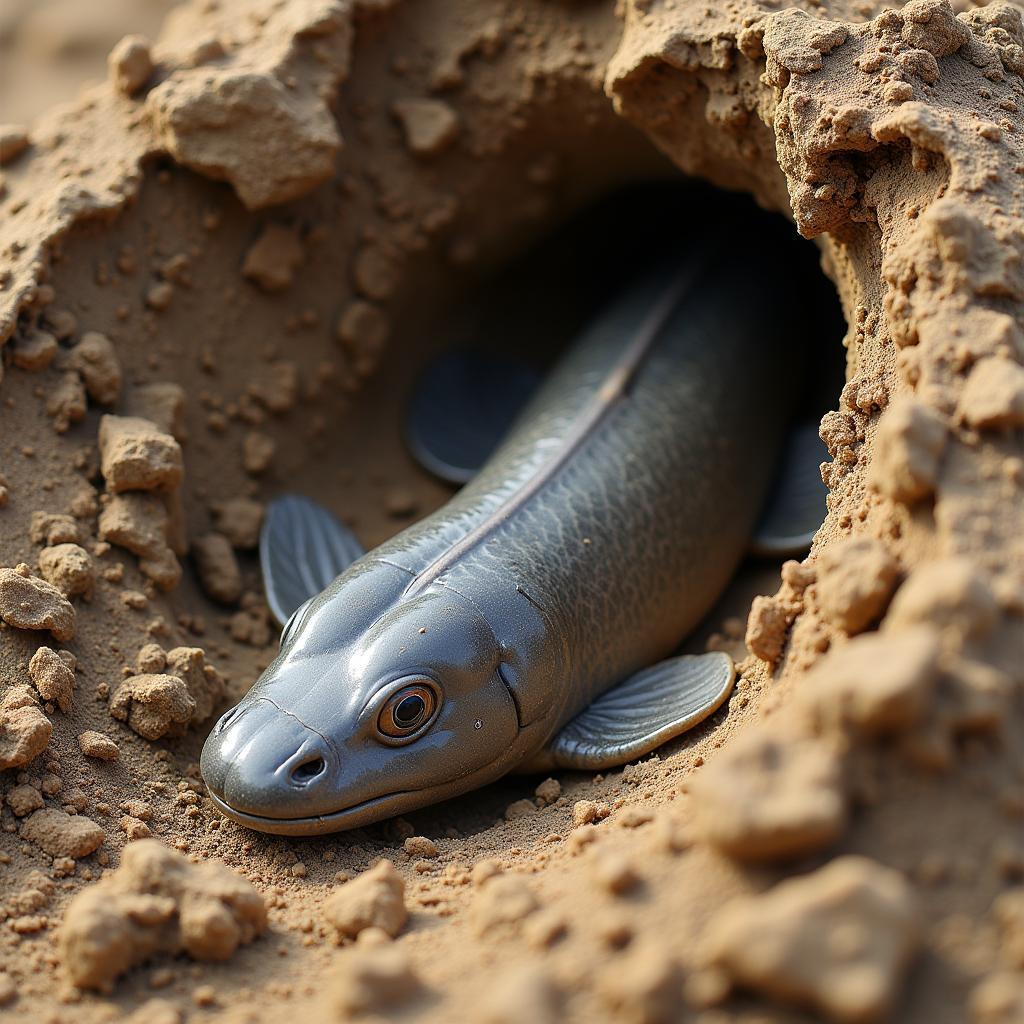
<point x="407" y="710"/>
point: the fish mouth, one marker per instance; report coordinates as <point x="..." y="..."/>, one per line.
<point x="364" y="813"/>
<point x="367" y="812"/>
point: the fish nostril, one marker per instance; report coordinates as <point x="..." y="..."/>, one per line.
<point x="227" y="718"/>
<point x="304" y="773"/>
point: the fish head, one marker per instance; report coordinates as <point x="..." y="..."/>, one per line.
<point x="347" y="727"/>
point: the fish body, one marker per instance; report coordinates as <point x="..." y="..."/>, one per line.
<point x="594" y="539"/>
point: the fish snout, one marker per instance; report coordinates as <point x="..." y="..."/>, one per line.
<point x="262" y="760"/>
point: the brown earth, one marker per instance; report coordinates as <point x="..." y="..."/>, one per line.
<point x="217" y="267"/>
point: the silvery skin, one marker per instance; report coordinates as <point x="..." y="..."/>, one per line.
<point x="527" y="623"/>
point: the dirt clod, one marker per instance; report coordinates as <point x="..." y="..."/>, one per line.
<point x="376" y="899"/>
<point x="157" y="902"/>
<point x="96" y="744"/>
<point x="28" y="602"/>
<point x="837" y="940"/>
<point x="53" y="678"/>
<point x="63" y="835"/>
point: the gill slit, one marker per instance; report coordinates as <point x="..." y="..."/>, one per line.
<point x="614" y="387"/>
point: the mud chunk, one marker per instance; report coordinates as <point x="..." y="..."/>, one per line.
<point x="524" y="994"/>
<point x="276" y="386"/>
<point x="993" y="397"/>
<point x="548" y="791"/>
<point x="1008" y="911"/>
<point x="877" y="683"/>
<point x="501" y="903"/>
<point x="374" y="899"/>
<point x="520" y="809"/>
<point x="252" y="626"/>
<point x="767" y="625"/>
<point x="363" y="331"/>
<point x="66" y="403"/>
<point x="585" y="812"/>
<point x="52" y="528"/>
<point x="61" y="834"/>
<point x="837" y="940"/>
<point x="151" y="658"/>
<point x="375" y="271"/>
<point x="271" y="261"/>
<point x="160" y="295"/>
<point x="421" y="846"/>
<point x="246" y="128"/>
<point x="257" y="452"/>
<point x="13" y="142"/>
<point x="62" y="323"/>
<point x="134" y="829"/>
<point x="765" y="798"/>
<point x="931" y="25"/>
<point x="908" y="448"/>
<point x="644" y="987"/>
<point x="24" y="800"/>
<point x="96" y="361"/>
<point x="430" y="126"/>
<point x="69" y="568"/>
<point x="96" y="744"/>
<point x="135" y="455"/>
<point x="52" y="677"/>
<point x="138" y="523"/>
<point x="998" y="999"/>
<point x="157" y="902"/>
<point x="28" y="602"/>
<point x="24" y="730"/>
<point x="130" y="64"/>
<point x="203" y="681"/>
<point x="163" y="403"/>
<point x="218" y="568"/>
<point x="35" y="352"/>
<point x="239" y="520"/>
<point x="369" y="979"/>
<point x="856" y="580"/>
<point x="951" y="594"/>
<point x="153" y="705"/>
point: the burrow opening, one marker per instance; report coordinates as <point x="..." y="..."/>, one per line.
<point x="535" y="304"/>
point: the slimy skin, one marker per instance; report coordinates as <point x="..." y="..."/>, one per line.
<point x="590" y="544"/>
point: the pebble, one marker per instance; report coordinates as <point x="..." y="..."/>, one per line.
<point x="130" y="64"/>
<point x="374" y="899"/>
<point x="420" y="846"/>
<point x="96" y="744"/>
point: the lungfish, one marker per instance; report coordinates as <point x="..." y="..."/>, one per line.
<point x="530" y="623"/>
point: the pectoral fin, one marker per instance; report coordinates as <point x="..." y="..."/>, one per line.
<point x="462" y="408"/>
<point x="640" y="714"/>
<point x="302" y="549"/>
<point x="796" y="506"/>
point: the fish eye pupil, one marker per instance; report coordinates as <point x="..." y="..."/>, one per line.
<point x="406" y="711"/>
<point x="409" y="710"/>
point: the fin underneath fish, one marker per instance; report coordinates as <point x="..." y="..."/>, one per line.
<point x="302" y="549"/>
<point x="796" y="506"/>
<point x="463" y="405"/>
<point x="640" y="714"/>
<point x="466" y="402"/>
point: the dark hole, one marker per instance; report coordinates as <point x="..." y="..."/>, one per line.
<point x="308" y="770"/>
<point x="409" y="710"/>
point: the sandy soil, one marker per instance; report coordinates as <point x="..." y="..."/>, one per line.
<point x="218" y="268"/>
